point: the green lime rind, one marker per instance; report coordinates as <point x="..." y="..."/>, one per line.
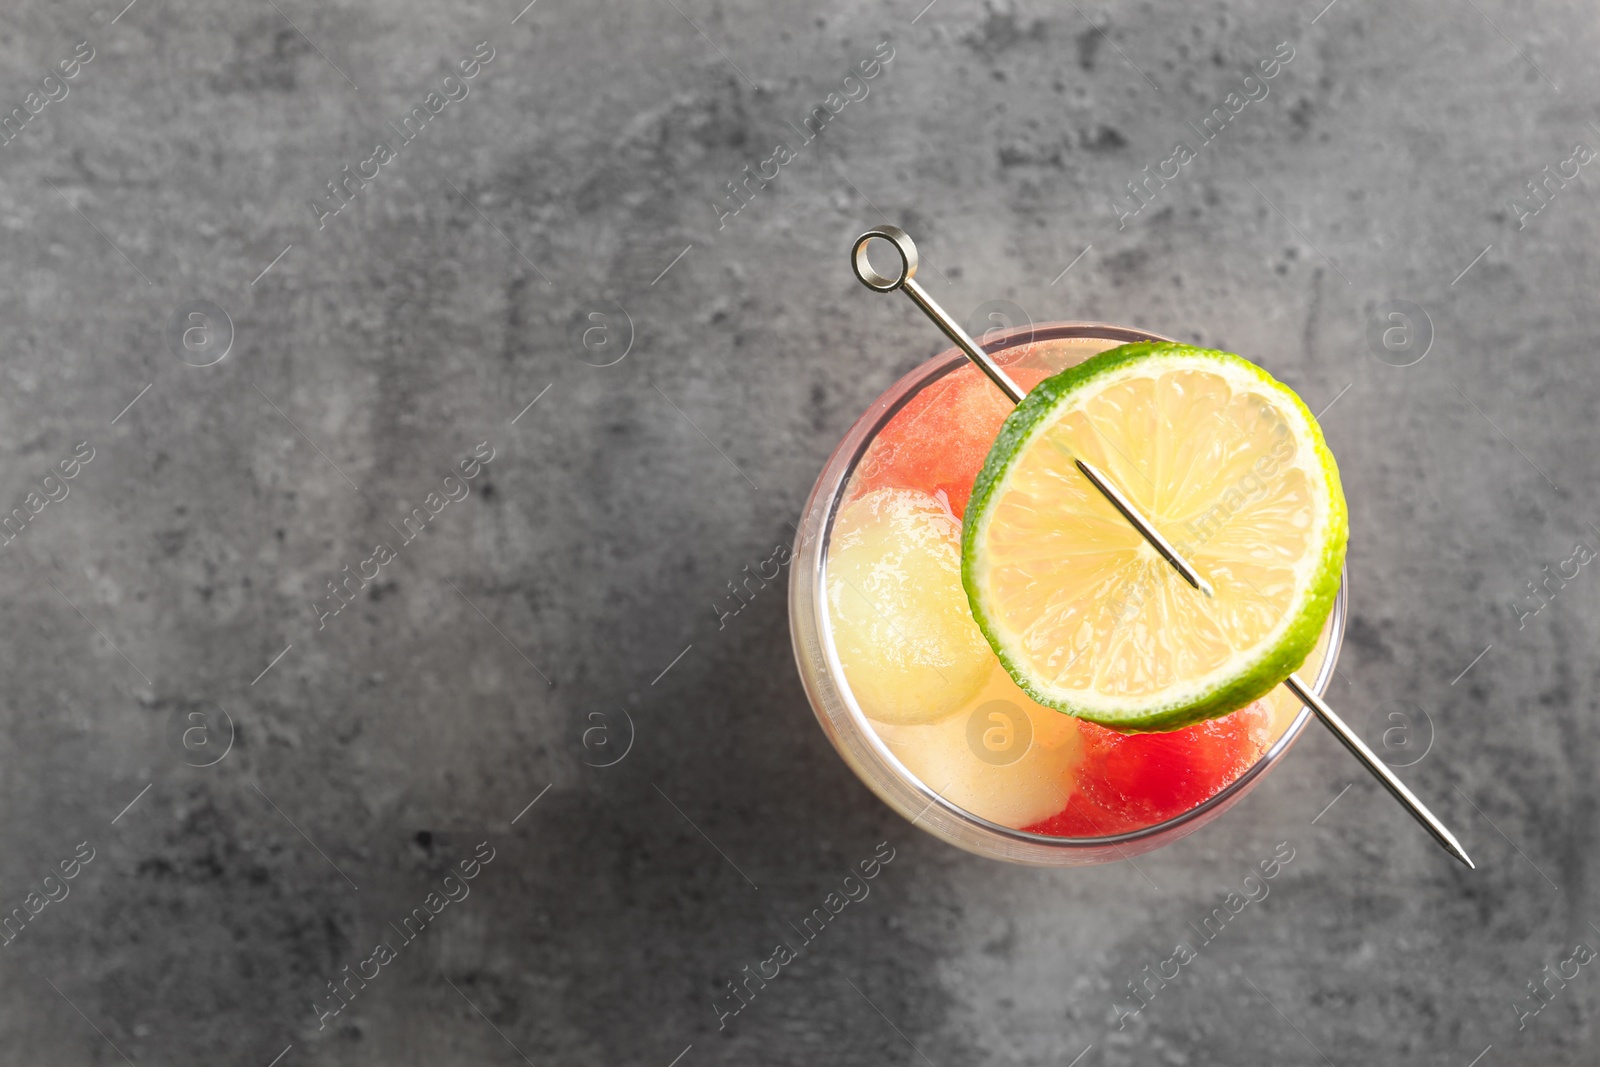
<point x="1253" y="677"/>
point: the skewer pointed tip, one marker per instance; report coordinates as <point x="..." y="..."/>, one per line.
<point x="1380" y="770"/>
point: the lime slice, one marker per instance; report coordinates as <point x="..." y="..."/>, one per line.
<point x="1229" y="465"/>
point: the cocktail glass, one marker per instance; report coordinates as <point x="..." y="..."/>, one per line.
<point x="859" y="741"/>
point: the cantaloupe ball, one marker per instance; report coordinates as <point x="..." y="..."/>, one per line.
<point x="1002" y="758"/>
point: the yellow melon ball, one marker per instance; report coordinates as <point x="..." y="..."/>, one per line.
<point x="901" y="625"/>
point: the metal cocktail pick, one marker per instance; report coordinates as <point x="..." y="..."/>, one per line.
<point x="884" y="283"/>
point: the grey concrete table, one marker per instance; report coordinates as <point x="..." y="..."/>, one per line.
<point x="279" y="670"/>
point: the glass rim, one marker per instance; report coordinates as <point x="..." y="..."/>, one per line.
<point x="835" y="478"/>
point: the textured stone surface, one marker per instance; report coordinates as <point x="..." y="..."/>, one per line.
<point x="591" y="150"/>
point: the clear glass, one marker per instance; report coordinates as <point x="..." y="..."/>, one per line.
<point x="851" y="732"/>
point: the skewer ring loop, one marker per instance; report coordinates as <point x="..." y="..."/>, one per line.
<point x="870" y="276"/>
